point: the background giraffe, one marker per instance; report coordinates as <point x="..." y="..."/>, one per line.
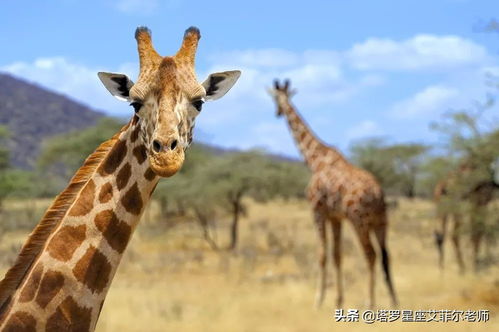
<point x="338" y="190"/>
<point x="446" y="192"/>
<point x="62" y="275"/>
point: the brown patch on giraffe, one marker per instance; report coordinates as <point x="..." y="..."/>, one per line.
<point x="341" y="188"/>
<point x="64" y="243"/>
<point x="106" y="193"/>
<point x="136" y="131"/>
<point x="85" y="201"/>
<point x="52" y="283"/>
<point x="20" y="321"/>
<point x="29" y="290"/>
<point x="320" y="166"/>
<point x="116" y="232"/>
<point x="132" y="201"/>
<point x="93" y="270"/>
<point x="113" y="159"/>
<point x="135" y="119"/>
<point x="69" y="316"/>
<point x="149" y="174"/>
<point x="140" y="153"/>
<point x="123" y="176"/>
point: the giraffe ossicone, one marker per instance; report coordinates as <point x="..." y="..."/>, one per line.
<point x="63" y="272"/>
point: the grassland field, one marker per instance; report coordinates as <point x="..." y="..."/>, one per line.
<point x="170" y="279"/>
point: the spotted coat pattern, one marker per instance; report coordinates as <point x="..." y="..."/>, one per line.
<point x="64" y="286"/>
<point x="338" y="190"/>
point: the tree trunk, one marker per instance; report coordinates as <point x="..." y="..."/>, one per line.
<point x="205" y="227"/>
<point x="236" y="210"/>
<point x="411" y="189"/>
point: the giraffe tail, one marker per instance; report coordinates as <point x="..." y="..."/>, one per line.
<point x="385" y="260"/>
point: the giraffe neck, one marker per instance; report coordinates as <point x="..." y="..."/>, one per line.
<point x="65" y="286"/>
<point x="314" y="151"/>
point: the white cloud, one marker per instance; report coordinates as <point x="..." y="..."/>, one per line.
<point x="317" y="74"/>
<point x="419" y="52"/>
<point x="325" y="79"/>
<point x="71" y="79"/>
<point x="364" y="129"/>
<point x="259" y="58"/>
<point x="432" y="99"/>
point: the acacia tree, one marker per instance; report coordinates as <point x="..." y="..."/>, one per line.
<point x="13" y="182"/>
<point x="218" y="185"/>
<point x="4" y="164"/>
<point x="62" y="155"/>
<point x="472" y="137"/>
<point x="397" y="166"/>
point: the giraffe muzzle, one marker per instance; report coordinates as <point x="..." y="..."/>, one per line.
<point x="167" y="157"/>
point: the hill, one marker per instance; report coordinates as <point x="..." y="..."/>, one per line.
<point x="33" y="113"/>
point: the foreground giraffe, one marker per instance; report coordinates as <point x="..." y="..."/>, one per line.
<point x="61" y="277"/>
<point x="479" y="196"/>
<point x="338" y="190"/>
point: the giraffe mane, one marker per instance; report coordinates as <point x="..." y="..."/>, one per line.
<point x="49" y="222"/>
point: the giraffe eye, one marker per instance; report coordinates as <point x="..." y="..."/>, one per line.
<point x="136" y="105"/>
<point x="198" y="104"/>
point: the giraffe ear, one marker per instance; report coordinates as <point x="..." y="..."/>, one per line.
<point x="118" y="84"/>
<point x="217" y="84"/>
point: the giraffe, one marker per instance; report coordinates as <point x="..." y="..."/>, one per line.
<point x="448" y="190"/>
<point x="338" y="190"/>
<point x="63" y="272"/>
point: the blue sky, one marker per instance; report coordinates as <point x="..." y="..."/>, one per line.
<point x="361" y="68"/>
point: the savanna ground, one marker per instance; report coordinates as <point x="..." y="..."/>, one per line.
<point x="170" y="280"/>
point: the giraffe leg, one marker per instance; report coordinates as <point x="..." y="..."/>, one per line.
<point x="477" y="232"/>
<point x="456" y="234"/>
<point x="440" y="236"/>
<point x="320" y="224"/>
<point x="380" y="232"/>
<point x="476" y="239"/>
<point x="370" y="254"/>
<point x="336" y="227"/>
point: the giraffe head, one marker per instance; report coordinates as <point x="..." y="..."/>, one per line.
<point x="167" y="98"/>
<point x="281" y="93"/>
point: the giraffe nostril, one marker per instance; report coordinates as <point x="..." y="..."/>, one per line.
<point x="156" y="146"/>
<point x="173" y="145"/>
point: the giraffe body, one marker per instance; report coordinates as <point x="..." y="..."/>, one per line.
<point x="338" y="190"/>
<point x="62" y="275"/>
<point x="479" y="196"/>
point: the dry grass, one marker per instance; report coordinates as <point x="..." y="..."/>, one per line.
<point x="170" y="281"/>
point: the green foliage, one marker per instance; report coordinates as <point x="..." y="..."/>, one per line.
<point x="64" y="154"/>
<point x="210" y="186"/>
<point x="474" y="142"/>
<point x="13" y="183"/>
<point x="4" y="152"/>
<point x="4" y="164"/>
<point x="397" y="167"/>
<point x="433" y="170"/>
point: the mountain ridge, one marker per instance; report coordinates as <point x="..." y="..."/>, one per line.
<point x="33" y="113"/>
